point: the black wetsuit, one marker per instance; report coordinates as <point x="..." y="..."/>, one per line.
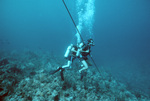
<point x="85" y="54"/>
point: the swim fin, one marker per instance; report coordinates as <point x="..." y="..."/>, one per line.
<point x="62" y="74"/>
<point x="83" y="74"/>
<point x="54" y="71"/>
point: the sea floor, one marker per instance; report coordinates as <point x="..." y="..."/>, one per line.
<point x="26" y="76"/>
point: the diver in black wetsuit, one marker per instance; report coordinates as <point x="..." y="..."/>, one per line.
<point x="83" y="51"/>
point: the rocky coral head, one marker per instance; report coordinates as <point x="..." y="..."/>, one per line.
<point x="4" y="62"/>
<point x="14" y="69"/>
<point x="3" y="93"/>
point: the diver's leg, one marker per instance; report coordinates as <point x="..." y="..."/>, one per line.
<point x="85" y="66"/>
<point x="83" y="73"/>
<point x="54" y="71"/>
<point x="63" y="67"/>
<point x="62" y="74"/>
<point x="68" y="65"/>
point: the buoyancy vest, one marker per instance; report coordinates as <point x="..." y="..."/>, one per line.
<point x="85" y="48"/>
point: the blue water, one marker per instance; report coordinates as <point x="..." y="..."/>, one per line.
<point x="121" y="31"/>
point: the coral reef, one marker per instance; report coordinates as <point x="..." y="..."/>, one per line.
<point x="26" y="76"/>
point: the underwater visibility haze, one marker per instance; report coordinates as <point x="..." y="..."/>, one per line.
<point x="120" y="30"/>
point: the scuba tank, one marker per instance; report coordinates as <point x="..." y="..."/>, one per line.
<point x="68" y="51"/>
<point x="80" y="46"/>
<point x="78" y="53"/>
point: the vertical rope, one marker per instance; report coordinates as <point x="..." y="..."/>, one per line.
<point x="73" y="21"/>
<point x="79" y="32"/>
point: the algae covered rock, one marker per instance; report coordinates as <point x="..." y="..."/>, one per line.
<point x="4" y="62"/>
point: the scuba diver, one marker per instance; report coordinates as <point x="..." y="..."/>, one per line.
<point x="82" y="53"/>
<point x="73" y="52"/>
<point x="70" y="55"/>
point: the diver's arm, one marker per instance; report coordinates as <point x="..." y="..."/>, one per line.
<point x="73" y="50"/>
<point x="85" y="51"/>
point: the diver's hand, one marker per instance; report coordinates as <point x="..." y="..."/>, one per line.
<point x="90" y="55"/>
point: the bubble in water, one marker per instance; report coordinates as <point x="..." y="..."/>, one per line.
<point x="85" y="11"/>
